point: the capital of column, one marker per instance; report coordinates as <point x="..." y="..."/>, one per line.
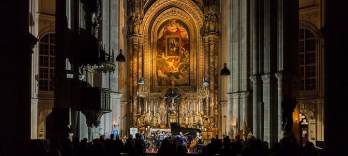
<point x="223" y="102"/>
<point x="279" y="75"/>
<point x="244" y="94"/>
<point x="116" y="95"/>
<point x="212" y="37"/>
<point x="235" y="95"/>
<point x="240" y="94"/>
<point x="254" y="79"/>
<point x="266" y="78"/>
<point x="133" y="37"/>
<point x="284" y="75"/>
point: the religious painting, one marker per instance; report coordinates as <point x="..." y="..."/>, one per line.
<point x="172" y="48"/>
<point x="173" y="54"/>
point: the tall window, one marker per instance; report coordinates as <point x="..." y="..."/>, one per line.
<point x="307" y="59"/>
<point x="46" y="62"/>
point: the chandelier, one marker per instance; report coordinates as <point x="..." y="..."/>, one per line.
<point x="225" y="71"/>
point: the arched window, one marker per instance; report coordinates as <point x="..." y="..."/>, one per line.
<point x="47" y="62"/>
<point x="307" y="59"/>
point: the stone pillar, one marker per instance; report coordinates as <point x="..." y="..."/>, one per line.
<point x="33" y="29"/>
<point x="240" y="64"/>
<point x="287" y="41"/>
<point x="255" y="60"/>
<point x="123" y="71"/>
<point x="34" y="118"/>
<point x="16" y="46"/>
<point x="244" y="111"/>
<point x="279" y="77"/>
<point x="257" y="114"/>
<point x="211" y="42"/>
<point x="225" y="86"/>
<point x="58" y="120"/>
<point x="224" y="122"/>
<point x="134" y="50"/>
<point x="229" y="115"/>
<point x="124" y="118"/>
<point x="34" y="94"/>
<point x="320" y="119"/>
<point x="335" y="83"/>
<point x="212" y="70"/>
<point x="135" y="54"/>
<point x="116" y="112"/>
<point x="267" y="107"/>
<point x="235" y="113"/>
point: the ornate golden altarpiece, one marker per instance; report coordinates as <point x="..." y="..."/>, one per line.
<point x="172" y="47"/>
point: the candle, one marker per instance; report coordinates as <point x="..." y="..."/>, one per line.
<point x="146" y="106"/>
<point x="153" y="106"/>
<point x="199" y="105"/>
<point x="193" y="106"/>
<point x="157" y="105"/>
<point x="187" y="106"/>
<point x="140" y="108"/>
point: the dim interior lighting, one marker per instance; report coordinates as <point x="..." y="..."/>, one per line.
<point x="225" y="71"/>
<point x="120" y="57"/>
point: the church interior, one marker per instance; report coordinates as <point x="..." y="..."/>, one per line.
<point x="202" y="71"/>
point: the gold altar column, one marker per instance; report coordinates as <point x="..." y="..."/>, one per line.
<point x="211" y="46"/>
<point x="135" y="54"/>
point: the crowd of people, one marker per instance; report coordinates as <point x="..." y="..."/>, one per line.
<point x="190" y="141"/>
<point x="171" y="146"/>
<point x="288" y="146"/>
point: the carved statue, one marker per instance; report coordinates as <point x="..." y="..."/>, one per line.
<point x="134" y="23"/>
<point x="97" y="19"/>
<point x="199" y="121"/>
<point x="141" y="121"/>
<point x="211" y="18"/>
<point x="212" y="23"/>
<point x="206" y="122"/>
<point x="206" y="24"/>
<point x="148" y="117"/>
<point x="172" y="97"/>
<point x="163" y="114"/>
<point x="156" y="120"/>
<point x="172" y="106"/>
<point x="130" y="25"/>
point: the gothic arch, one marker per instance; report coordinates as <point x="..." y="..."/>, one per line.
<point x="163" y="10"/>
<point x="310" y="26"/>
<point x="319" y="37"/>
<point x="186" y="5"/>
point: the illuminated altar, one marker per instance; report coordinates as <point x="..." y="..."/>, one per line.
<point x="172" y="62"/>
